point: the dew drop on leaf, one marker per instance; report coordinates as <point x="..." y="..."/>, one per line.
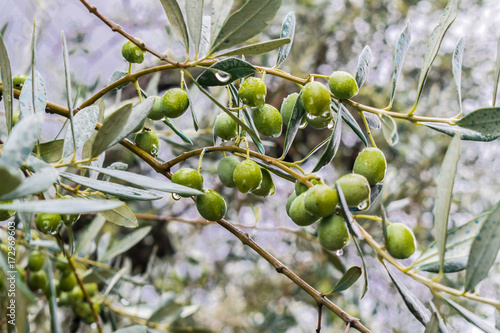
<point x="222" y="77"/>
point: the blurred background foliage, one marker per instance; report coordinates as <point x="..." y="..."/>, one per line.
<point x="233" y="289"/>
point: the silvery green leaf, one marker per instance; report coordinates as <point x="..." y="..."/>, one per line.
<point x="68" y="89"/>
<point x="399" y="58"/>
<point x="485" y="121"/>
<point x="147" y="182"/>
<point x="117" y="75"/>
<point x="27" y="97"/>
<point x="51" y="151"/>
<point x="10" y="179"/>
<point x="176" y="19"/>
<point x="465" y="133"/>
<point x="287" y="30"/>
<point x="471" y="317"/>
<point x="87" y="146"/>
<point x="126" y="243"/>
<point x="55" y="324"/>
<point x="103" y="244"/>
<point x="117" y="190"/>
<point x="219" y="11"/>
<point x="245" y="23"/>
<point x="177" y="131"/>
<point x="37" y="183"/>
<point x="205" y="35"/>
<point x="363" y="67"/>
<point x="249" y="121"/>
<point x="22" y="139"/>
<point x="349" y="119"/>
<point x="84" y="123"/>
<point x="257" y="48"/>
<point x="332" y="146"/>
<point x="7" y="85"/>
<point x="457" y="70"/>
<point x="497" y="74"/>
<point x="122" y="216"/>
<point x="484" y="249"/>
<point x="293" y="126"/>
<point x="390" y="130"/>
<point x="194" y="17"/>
<point x="436" y="323"/>
<point x="372" y="120"/>
<point x="133" y="329"/>
<point x="111" y="129"/>
<point x="446" y="19"/>
<point x="75" y="206"/>
<point x="348" y="279"/>
<point x="136" y="118"/>
<point x="90" y="233"/>
<point x="444" y="190"/>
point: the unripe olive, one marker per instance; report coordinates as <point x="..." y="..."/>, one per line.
<point x="316" y="98"/>
<point x="18" y="81"/>
<point x="133" y="53"/>
<point x="148" y="141"/>
<point x="174" y="102"/>
<point x="356" y="190"/>
<point x="343" y="85"/>
<point x="91" y="288"/>
<point x="86" y="314"/>
<point x="320" y="122"/>
<point x="38" y="281"/>
<point x="266" y="187"/>
<point x="6" y="214"/>
<point x="67" y="282"/>
<point x="69" y="219"/>
<point x="371" y="163"/>
<point x="253" y="92"/>
<point x="63" y="265"/>
<point x="48" y="223"/>
<point x="225" y="170"/>
<point x="188" y="177"/>
<point x="211" y="205"/>
<point x="247" y="176"/>
<point x="156" y="112"/>
<point x="76" y="295"/>
<point x="225" y="127"/>
<point x="35" y="261"/>
<point x="301" y="188"/>
<point x="332" y="232"/>
<point x="299" y="214"/>
<point x="267" y="120"/>
<point x="400" y="241"/>
<point x="321" y="200"/>
<point x="63" y="300"/>
<point x="289" y="201"/>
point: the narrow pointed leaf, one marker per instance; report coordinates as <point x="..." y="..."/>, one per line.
<point x="348" y="279"/>
<point x="90" y="233"/>
<point x="111" y="129"/>
<point x="457" y="70"/>
<point x="294" y="124"/>
<point x="205" y="36"/>
<point x="55" y="324"/>
<point x="444" y="191"/>
<point x="250" y="123"/>
<point x="10" y="180"/>
<point x="497" y="74"/>
<point x="27" y="97"/>
<point x="484" y="249"/>
<point x="315" y="149"/>
<point x="68" y="90"/>
<point x="258" y="48"/>
<point x="287" y="31"/>
<point x="390" y="130"/>
<point x="75" y="206"/>
<point x="365" y="272"/>
<point x="21" y="141"/>
<point x="416" y="307"/>
<point x="122" y="216"/>
<point x="252" y="18"/>
<point x="363" y="67"/>
<point x="399" y="58"/>
<point x="7" y="85"/>
<point x="446" y="19"/>
<point x="332" y="146"/>
<point x="191" y="109"/>
<point x="485" y="121"/>
<point x="194" y="17"/>
<point x="176" y="19"/>
<point x="219" y="11"/>
<point x="37" y="183"/>
<point x="117" y="190"/>
<point x="471" y="317"/>
<point x="133" y="329"/>
<point x="237" y="68"/>
<point x="84" y="124"/>
<point x="465" y="133"/>
<point x="372" y="120"/>
<point x="51" y="151"/>
<point x="117" y="75"/>
<point x="177" y="131"/>
<point x="436" y="323"/>
<point x="126" y="243"/>
<point x="147" y="182"/>
<point x="349" y="119"/>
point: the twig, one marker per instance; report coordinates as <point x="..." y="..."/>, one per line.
<point x="320" y="311"/>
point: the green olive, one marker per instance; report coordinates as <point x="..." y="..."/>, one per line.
<point x="332" y="232"/>
<point x="148" y="141"/>
<point x="63" y="265"/>
<point x="35" y="261"/>
<point x="156" y="112"/>
<point x="38" y="281"/>
<point x="267" y="120"/>
<point x="266" y="187"/>
<point x="247" y="176"/>
<point x="133" y="53"/>
<point x="225" y="170"/>
<point x="316" y="98"/>
<point x="76" y="295"/>
<point x="91" y="288"/>
<point x="301" y="188"/>
<point x="211" y="205"/>
<point x="356" y="190"/>
<point x="289" y="201"/>
<point x="299" y="214"/>
<point x="188" y="177"/>
<point x="48" y="223"/>
<point x="253" y="91"/>
<point x="225" y="127"/>
<point x="343" y="85"/>
<point x="67" y="282"/>
<point x="69" y="219"/>
<point x="6" y="214"/>
<point x="371" y="163"/>
<point x="400" y="241"/>
<point x="321" y="200"/>
<point x="174" y="103"/>
<point x="320" y="122"/>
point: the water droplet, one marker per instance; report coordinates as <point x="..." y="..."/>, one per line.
<point x="176" y="196"/>
<point x="364" y="205"/>
<point x="310" y="116"/>
<point x="303" y="125"/>
<point x="331" y="124"/>
<point x="222" y="76"/>
<point x="339" y="253"/>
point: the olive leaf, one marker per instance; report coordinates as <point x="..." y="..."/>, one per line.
<point x="194" y="17"/>
<point x="363" y="67"/>
<point x="349" y="119"/>
<point x="236" y="68"/>
<point x="122" y="216"/>
<point x="485" y="121"/>
<point x="55" y="325"/>
<point x="133" y="329"/>
<point x="372" y="120"/>
<point x="436" y="323"/>
<point x="176" y="19"/>
<point x="10" y="179"/>
<point x="399" y="58"/>
<point x="75" y="206"/>
<point x="294" y="124"/>
<point x="33" y="101"/>
<point x="465" y="133"/>
<point x="497" y="74"/>
<point x="287" y="30"/>
<point x="332" y="146"/>
<point x="37" y="183"/>
<point x="177" y="131"/>
<point x="471" y="317"/>
<point x="126" y="243"/>
<point x="390" y="130"/>
<point x="347" y="280"/>
<point x="51" y="151"/>
<point x="458" y="55"/>
<point x="67" y="76"/>
<point x="84" y="123"/>
<point x="7" y="85"/>
<point x="257" y="48"/>
<point x="117" y="75"/>
<point x="249" y="121"/>
<point x="90" y="233"/>
<point x="219" y="11"/>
